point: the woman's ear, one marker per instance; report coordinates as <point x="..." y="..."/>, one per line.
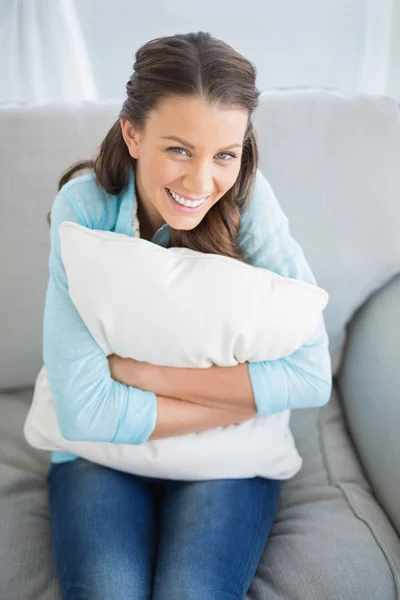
<point x="131" y="137"/>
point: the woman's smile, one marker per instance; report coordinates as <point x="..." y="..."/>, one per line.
<point x="182" y="205"/>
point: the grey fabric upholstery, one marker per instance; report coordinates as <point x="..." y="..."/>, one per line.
<point x="370" y="385"/>
<point x="332" y="161"/>
<point x="331" y="540"/>
<point x="37" y="143"/>
<point x="27" y="567"/>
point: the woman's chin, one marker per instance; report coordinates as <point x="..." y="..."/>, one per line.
<point x="183" y="224"/>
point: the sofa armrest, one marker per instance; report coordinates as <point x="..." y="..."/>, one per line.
<point x="369" y="384"/>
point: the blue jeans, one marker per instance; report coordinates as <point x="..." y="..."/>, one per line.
<point x="119" y="536"/>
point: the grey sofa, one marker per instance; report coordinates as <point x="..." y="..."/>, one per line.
<point x="334" y="163"/>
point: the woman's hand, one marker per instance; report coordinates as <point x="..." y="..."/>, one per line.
<point x="130" y="372"/>
<point x="117" y="364"/>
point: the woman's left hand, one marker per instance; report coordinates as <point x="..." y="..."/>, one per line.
<point x="129" y="371"/>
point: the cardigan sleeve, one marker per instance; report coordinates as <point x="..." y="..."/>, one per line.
<point x="89" y="404"/>
<point x="304" y="378"/>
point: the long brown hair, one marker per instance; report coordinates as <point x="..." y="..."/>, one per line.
<point x="191" y="64"/>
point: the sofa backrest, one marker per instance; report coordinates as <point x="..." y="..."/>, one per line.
<point x="332" y="160"/>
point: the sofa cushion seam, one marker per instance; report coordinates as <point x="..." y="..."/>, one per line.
<point x="376" y="537"/>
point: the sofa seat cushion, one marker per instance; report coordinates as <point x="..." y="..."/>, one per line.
<point x="27" y="566"/>
<point x="331" y="539"/>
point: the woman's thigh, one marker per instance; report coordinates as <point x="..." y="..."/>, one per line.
<point x="105" y="528"/>
<point x="211" y="538"/>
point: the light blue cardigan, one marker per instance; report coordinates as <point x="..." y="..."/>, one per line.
<point x="89" y="404"/>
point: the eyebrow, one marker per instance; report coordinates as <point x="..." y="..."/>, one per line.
<point x="181" y="141"/>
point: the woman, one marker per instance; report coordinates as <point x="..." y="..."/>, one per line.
<point x="185" y="135"/>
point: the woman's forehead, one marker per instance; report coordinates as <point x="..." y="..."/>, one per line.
<point x="193" y="117"/>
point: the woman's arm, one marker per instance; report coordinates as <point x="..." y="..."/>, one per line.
<point x="89" y="404"/>
<point x="227" y="388"/>
<point x="178" y="417"/>
<point x="174" y="416"/>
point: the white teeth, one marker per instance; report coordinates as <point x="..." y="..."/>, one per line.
<point x="185" y="201"/>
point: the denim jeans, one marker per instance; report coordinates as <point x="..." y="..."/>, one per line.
<point x="119" y="536"/>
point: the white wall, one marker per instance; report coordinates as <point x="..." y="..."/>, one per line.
<point x="334" y="43"/>
<point x="73" y="50"/>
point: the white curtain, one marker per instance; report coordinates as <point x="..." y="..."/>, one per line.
<point x="43" y="58"/>
<point x="376" y="56"/>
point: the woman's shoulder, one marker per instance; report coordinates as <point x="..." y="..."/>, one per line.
<point x="90" y="203"/>
<point x="263" y="212"/>
<point x="85" y="179"/>
<point x="84" y="189"/>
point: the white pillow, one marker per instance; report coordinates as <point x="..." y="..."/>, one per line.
<point x="177" y="307"/>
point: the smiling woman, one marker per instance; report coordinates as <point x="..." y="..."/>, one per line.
<point x="183" y="155"/>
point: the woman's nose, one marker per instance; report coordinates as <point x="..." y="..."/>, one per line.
<point x="199" y="183"/>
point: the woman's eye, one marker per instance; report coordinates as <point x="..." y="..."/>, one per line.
<point x="176" y="148"/>
<point x="227" y="154"/>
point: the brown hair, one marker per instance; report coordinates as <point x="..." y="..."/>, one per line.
<point x="191" y="64"/>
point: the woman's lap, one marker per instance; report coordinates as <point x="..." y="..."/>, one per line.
<point x="104" y="531"/>
<point x="212" y="535"/>
<point x="114" y="533"/>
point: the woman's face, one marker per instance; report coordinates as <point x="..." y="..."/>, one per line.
<point x="198" y="169"/>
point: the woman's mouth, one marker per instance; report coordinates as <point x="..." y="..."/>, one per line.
<point x="183" y="204"/>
